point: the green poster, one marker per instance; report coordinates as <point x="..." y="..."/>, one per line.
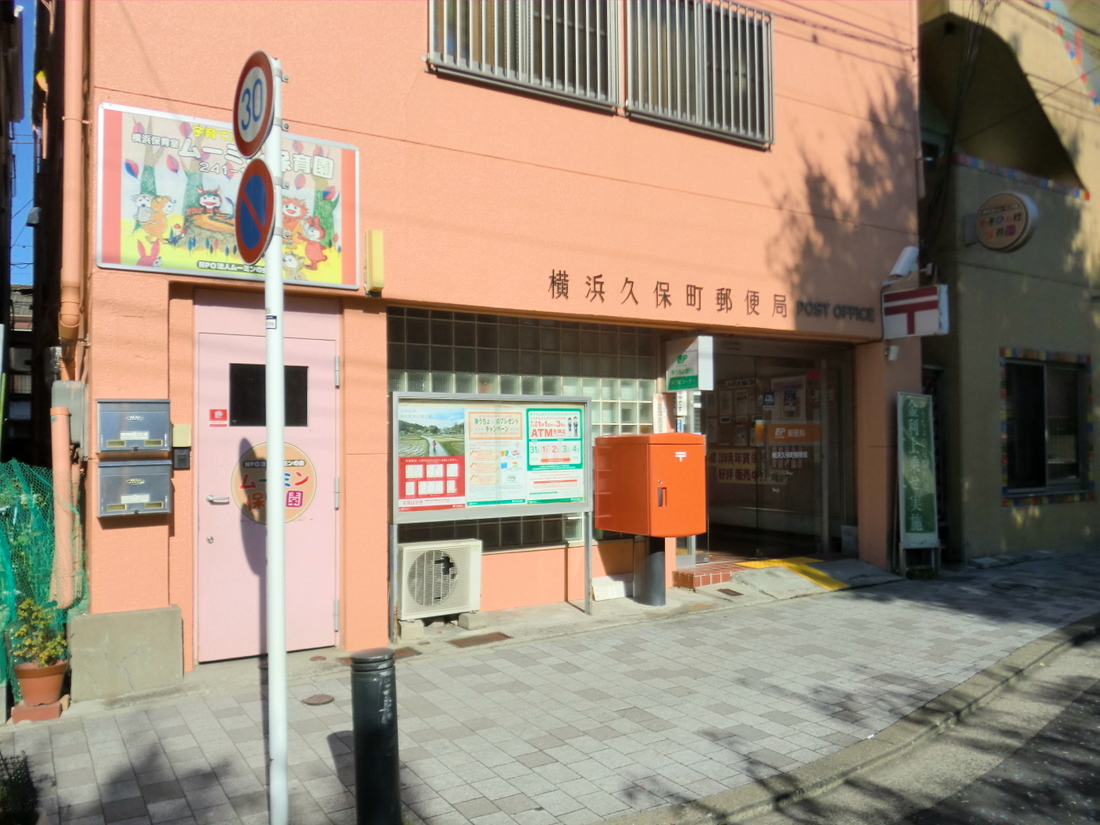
<point x="917" y="472"/>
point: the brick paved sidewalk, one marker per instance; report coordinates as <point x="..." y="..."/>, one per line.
<point x="577" y="728"/>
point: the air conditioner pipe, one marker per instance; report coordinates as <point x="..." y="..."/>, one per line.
<point x="62" y="584"/>
<point x="374" y="732"/>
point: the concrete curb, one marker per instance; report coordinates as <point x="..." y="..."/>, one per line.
<point x="829" y="772"/>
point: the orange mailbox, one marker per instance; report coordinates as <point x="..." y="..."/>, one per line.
<point x="651" y="485"/>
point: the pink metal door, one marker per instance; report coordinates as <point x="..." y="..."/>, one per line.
<point x="233" y="481"/>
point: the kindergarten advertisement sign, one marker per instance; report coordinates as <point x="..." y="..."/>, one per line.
<point x="168" y="200"/>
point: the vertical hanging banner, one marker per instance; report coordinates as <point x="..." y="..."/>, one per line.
<point x="168" y="200"/>
<point x="917" y="472"/>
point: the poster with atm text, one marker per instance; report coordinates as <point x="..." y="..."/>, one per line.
<point x="465" y="456"/>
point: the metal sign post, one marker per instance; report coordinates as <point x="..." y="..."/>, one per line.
<point x="276" y="500"/>
<point x="257" y="106"/>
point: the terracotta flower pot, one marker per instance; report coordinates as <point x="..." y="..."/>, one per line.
<point x="41" y="685"/>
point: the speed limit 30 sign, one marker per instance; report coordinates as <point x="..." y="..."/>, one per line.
<point x="254" y="104"/>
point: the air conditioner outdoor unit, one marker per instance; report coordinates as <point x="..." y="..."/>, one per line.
<point x="439" y="578"/>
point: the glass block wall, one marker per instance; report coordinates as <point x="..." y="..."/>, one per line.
<point x="455" y="352"/>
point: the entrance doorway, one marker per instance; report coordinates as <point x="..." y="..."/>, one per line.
<point x="232" y="479"/>
<point x="780" y="470"/>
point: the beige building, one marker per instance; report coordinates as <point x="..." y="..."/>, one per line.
<point x="1012" y="148"/>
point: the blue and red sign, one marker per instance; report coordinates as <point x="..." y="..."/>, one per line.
<point x="255" y="212"/>
<point x="253" y="104"/>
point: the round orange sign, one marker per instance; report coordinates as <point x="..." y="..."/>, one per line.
<point x="249" y="483"/>
<point x="1005" y="221"/>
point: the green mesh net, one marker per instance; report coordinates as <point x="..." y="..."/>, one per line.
<point x="34" y="590"/>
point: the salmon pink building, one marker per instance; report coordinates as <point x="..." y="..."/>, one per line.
<point x="528" y="202"/>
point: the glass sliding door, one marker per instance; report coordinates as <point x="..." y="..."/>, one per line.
<point x="779" y="464"/>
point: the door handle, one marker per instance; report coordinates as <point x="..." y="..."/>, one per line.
<point x="218" y="500"/>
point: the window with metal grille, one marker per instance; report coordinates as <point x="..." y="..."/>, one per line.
<point x="1044" y="423"/>
<point x="704" y="66"/>
<point x="561" y="48"/>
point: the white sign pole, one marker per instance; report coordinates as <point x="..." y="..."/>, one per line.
<point x="278" y="793"/>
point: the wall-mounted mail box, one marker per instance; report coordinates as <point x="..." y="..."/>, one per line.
<point x="133" y="425"/>
<point x="129" y="488"/>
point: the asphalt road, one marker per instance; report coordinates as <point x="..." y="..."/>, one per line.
<point x="1052" y="778"/>
<point x="1029" y="756"/>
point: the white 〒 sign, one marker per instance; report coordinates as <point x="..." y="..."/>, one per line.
<point x="911" y="312"/>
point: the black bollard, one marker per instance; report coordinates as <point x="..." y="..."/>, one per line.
<point x="374" y="724"/>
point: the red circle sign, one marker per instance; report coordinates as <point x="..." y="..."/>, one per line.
<point x="255" y="218"/>
<point x="254" y="104"/>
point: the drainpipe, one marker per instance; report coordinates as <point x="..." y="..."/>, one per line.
<point x="72" y="194"/>
<point x="62" y="582"/>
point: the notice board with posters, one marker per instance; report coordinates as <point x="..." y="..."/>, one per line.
<point x="917" y="472"/>
<point x="460" y="457"/>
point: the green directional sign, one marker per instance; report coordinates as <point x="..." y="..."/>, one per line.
<point x="917" y="472"/>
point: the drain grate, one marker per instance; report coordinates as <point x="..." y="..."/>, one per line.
<point x="1011" y="585"/>
<point x="403" y="652"/>
<point x="728" y="592"/>
<point x="483" y="639"/>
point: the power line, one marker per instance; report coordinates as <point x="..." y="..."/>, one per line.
<point x="1039" y="98"/>
<point x="840" y="32"/>
<point x="1051" y="11"/>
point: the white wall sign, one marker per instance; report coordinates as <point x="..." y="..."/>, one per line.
<point x="689" y="363"/>
<point x="911" y="312"/>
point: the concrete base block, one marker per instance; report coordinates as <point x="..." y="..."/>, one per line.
<point x="473" y="621"/>
<point x="114" y="654"/>
<point x="410" y="631"/>
<point x="612" y="587"/>
<point x="37" y="713"/>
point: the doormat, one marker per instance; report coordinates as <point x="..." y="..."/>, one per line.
<point x="728" y="592"/>
<point x="402" y="652"/>
<point x="483" y="639"/>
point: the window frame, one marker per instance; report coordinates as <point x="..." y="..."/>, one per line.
<point x="512" y="62"/>
<point x="694" y="104"/>
<point x="1017" y="492"/>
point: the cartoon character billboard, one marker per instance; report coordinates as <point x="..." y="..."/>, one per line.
<point x="168" y="200"/>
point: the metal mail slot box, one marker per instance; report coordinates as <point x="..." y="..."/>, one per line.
<point x="131" y="487"/>
<point x="133" y="424"/>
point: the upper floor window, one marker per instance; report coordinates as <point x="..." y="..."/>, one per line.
<point x="702" y="65"/>
<point x="564" y="48"/>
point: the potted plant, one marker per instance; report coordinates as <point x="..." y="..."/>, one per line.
<point x="18" y="793"/>
<point x="38" y="642"/>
